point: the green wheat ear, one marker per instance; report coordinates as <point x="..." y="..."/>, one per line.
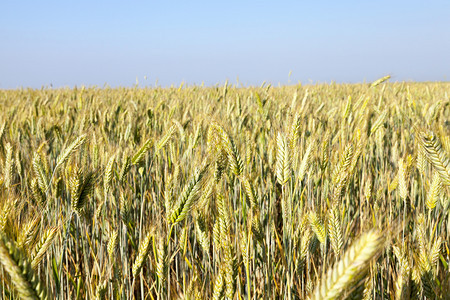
<point x="188" y="196"/>
<point x="64" y="156"/>
<point x="81" y="188"/>
<point x="139" y="155"/>
<point x="26" y="282"/>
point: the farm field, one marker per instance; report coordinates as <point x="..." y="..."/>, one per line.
<point x="328" y="191"/>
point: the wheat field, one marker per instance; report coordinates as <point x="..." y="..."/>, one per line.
<point x="327" y="191"/>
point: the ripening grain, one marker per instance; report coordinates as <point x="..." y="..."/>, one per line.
<point x="294" y="192"/>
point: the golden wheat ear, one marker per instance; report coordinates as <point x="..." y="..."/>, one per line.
<point x="42" y="246"/>
<point x="26" y="282"/>
<point x="144" y="249"/>
<point x="64" y="156"/>
<point x="436" y="155"/>
<point x="350" y="268"/>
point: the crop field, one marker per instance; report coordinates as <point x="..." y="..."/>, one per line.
<point x="327" y="191"/>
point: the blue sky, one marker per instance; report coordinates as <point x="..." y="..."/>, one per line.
<point x="68" y="43"/>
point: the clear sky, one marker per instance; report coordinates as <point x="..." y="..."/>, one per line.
<point x="67" y="43"/>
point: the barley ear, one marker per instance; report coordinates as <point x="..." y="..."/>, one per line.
<point x="160" y="257"/>
<point x="234" y="159"/>
<point x="2" y="131"/>
<point x="28" y="233"/>
<point x="39" y="173"/>
<point x="202" y="234"/>
<point x="402" y="286"/>
<point x="250" y="192"/>
<point x="220" y="165"/>
<point x="126" y="165"/>
<point x="377" y="124"/>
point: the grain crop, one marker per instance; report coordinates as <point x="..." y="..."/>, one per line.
<point x="326" y="191"/>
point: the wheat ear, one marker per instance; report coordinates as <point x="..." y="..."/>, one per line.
<point x="283" y="167"/>
<point x="437" y="156"/>
<point x="349" y="268"/>
<point x="434" y="192"/>
<point x="108" y="174"/>
<point x="64" y="156"/>
<point x="81" y="188"/>
<point x="144" y="248"/>
<point x="167" y="136"/>
<point x="42" y="246"/>
<point x="26" y="282"/>
<point x="8" y="168"/>
<point x="139" y="155"/>
<point x="380" y="81"/>
<point x="187" y="197"/>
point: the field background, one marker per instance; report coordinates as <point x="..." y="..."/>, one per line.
<point x="293" y="192"/>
